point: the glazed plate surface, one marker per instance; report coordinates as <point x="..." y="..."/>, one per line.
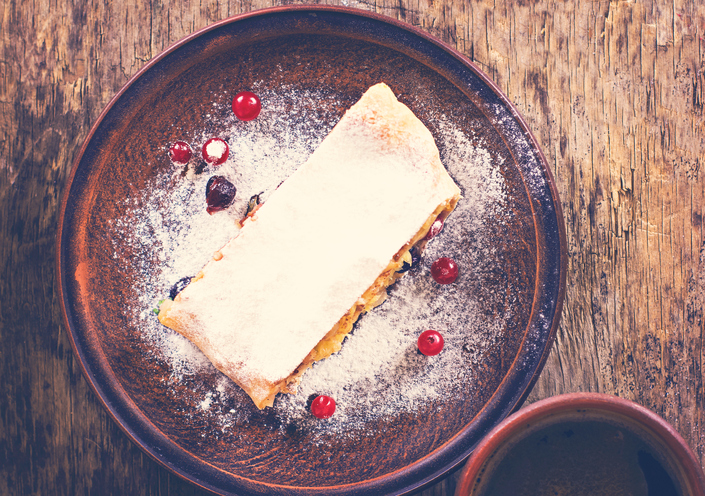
<point x="133" y="223"/>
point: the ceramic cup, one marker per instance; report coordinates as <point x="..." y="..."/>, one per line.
<point x="582" y="444"/>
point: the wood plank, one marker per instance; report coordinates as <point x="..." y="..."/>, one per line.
<point x="613" y="91"/>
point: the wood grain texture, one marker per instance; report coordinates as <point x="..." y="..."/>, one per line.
<point x="613" y="91"/>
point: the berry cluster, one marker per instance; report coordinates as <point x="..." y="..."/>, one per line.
<point x="220" y="193"/>
<point x="444" y="271"/>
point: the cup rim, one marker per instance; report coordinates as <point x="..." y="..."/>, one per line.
<point x="692" y="473"/>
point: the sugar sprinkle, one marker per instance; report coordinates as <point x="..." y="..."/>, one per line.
<point x="379" y="372"/>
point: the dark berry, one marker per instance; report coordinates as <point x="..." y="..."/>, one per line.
<point x="323" y="407"/>
<point x="215" y="151"/>
<point x="179" y="286"/>
<point x="246" y="105"/>
<point x="220" y="194"/>
<point x="444" y="270"/>
<point x="415" y="259"/>
<point x="180" y="152"/>
<point x="430" y="343"/>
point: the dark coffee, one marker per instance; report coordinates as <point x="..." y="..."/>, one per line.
<point x="579" y="458"/>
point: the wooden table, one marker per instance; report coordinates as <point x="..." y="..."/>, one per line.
<point x="613" y="92"/>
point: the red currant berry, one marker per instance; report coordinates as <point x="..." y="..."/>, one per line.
<point x="180" y="152"/>
<point x="215" y="151"/>
<point x="246" y="105"/>
<point x="430" y="343"/>
<point x="323" y="407"/>
<point x="444" y="270"/>
<point x="435" y="229"/>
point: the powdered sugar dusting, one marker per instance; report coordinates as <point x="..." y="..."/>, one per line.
<point x="305" y="261"/>
<point x="215" y="149"/>
<point x="379" y="372"/>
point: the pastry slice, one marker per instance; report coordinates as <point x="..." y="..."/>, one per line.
<point x="320" y="251"/>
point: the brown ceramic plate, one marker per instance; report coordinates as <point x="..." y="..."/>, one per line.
<point x="133" y="223"/>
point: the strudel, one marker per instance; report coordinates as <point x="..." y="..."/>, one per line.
<point x="323" y="248"/>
